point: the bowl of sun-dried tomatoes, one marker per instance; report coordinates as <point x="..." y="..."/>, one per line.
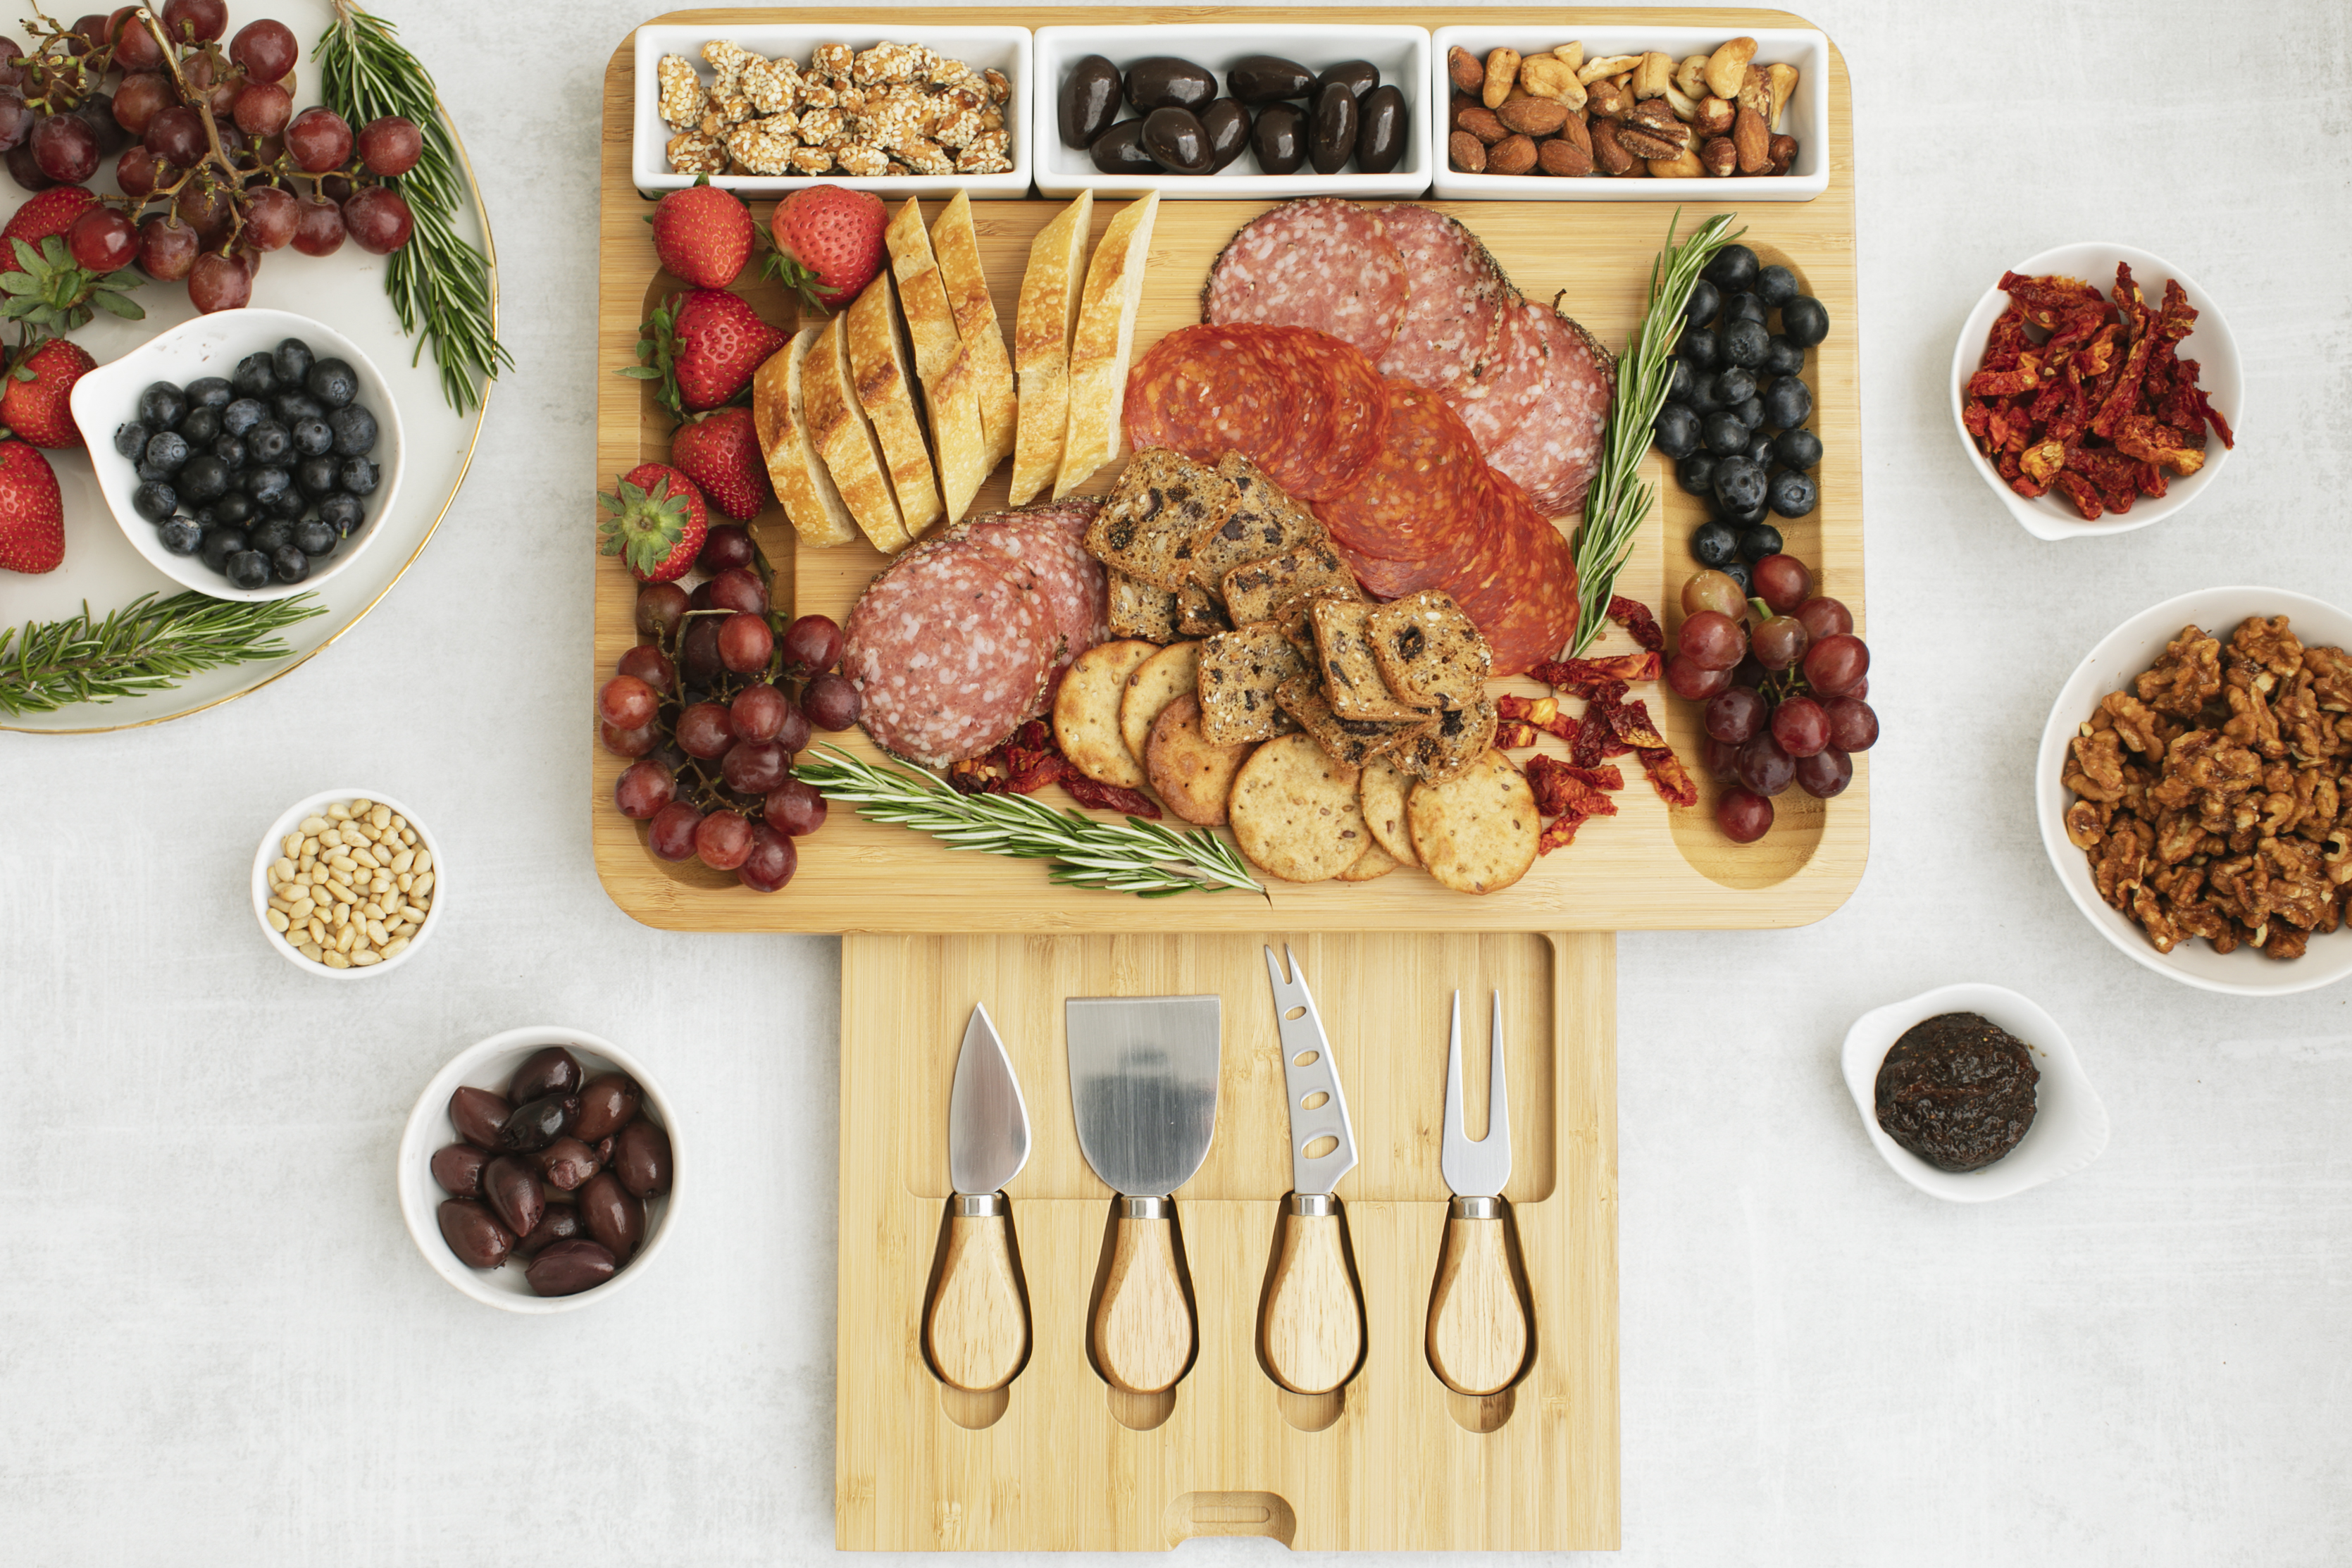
<point x="2193" y="790"/>
<point x="2096" y="389"/>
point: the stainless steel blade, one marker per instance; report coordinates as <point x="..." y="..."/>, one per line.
<point x="1479" y="1168"/>
<point x="1143" y="1087"/>
<point x="1310" y="1075"/>
<point x="987" y="1122"/>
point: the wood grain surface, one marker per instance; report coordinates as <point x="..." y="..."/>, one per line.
<point x="975" y="1326"/>
<point x="1477" y="1324"/>
<point x="1647" y="867"/>
<point x="1312" y="1332"/>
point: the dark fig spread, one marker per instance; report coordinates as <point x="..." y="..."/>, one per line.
<point x="1958" y="1090"/>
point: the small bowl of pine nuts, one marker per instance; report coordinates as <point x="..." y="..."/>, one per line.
<point x="347" y="884"/>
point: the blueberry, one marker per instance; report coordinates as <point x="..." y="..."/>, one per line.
<point x="202" y="426"/>
<point x="343" y="513"/>
<point x="271" y="536"/>
<point x="1741" y="519"/>
<point x="1760" y="449"/>
<point x="291" y="406"/>
<point x="1733" y="386"/>
<point x="1696" y="474"/>
<point x="247" y="569"/>
<point x="148" y="472"/>
<point x="1776" y="286"/>
<point x="234" y="509"/>
<point x="312" y="438"/>
<point x="1760" y="542"/>
<point x="255" y="376"/>
<point x="168" y="452"/>
<point x="289" y="504"/>
<point x="154" y="500"/>
<point x="220" y="544"/>
<point x="1749" y="413"/>
<point x="290" y="564"/>
<point x="1782" y="357"/>
<point x="293" y="360"/>
<point x="268" y="443"/>
<point x="162" y="405"/>
<point x="316" y="538"/>
<point x="1713" y="544"/>
<point x="131" y="440"/>
<point x="242" y="414"/>
<point x="181" y="536"/>
<point x="1799" y="449"/>
<point x="1787" y="403"/>
<point x="1738" y="571"/>
<point x="360" y="476"/>
<point x="316" y="476"/>
<point x="1676" y="432"/>
<point x="354" y="429"/>
<point x="1723" y="435"/>
<point x="229" y="450"/>
<point x="332" y="382"/>
<point x="1678" y="384"/>
<point x="1697" y="345"/>
<point x="1705" y="300"/>
<point x="1743" y="307"/>
<point x="1804" y="320"/>
<point x="1794" y="494"/>
<point x="264" y="482"/>
<point x="1701" y="399"/>
<point x="1738" y="483"/>
<point x="1733" y="271"/>
<point x="203" y="480"/>
<point x="210" y="392"/>
<point x="203" y="516"/>
<point x="1744" y="343"/>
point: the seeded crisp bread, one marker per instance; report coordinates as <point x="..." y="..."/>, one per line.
<point x="1164" y="501"/>
<point x="1263" y="523"/>
<point x="1354" y="742"/>
<point x="1430" y="653"/>
<point x="1198" y="615"/>
<point x="1239" y="672"/>
<point x="1457" y="738"/>
<point x="1258" y="591"/>
<point x="1139" y="609"/>
<point x="1343" y="657"/>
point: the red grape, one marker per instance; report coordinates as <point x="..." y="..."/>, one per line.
<point x="218" y="90"/>
<point x="745" y="643"/>
<point x="208" y="210"/>
<point x="1824" y="617"/>
<point x="17" y="120"/>
<point x="1824" y="773"/>
<point x="319" y="139"/>
<point x="1782" y="581"/>
<point x="831" y="702"/>
<point x="1854" y="724"/>
<point x="643" y="788"/>
<point x="97" y="111"/>
<point x="65" y="149"/>
<point x="794" y="735"/>
<point x="103" y="240"/>
<point x="628" y="743"/>
<point x="627" y="702"/>
<point x="758" y="712"/>
<point x="1836" y="663"/>
<point x="266" y="50"/>
<point x="135" y="49"/>
<point x="705" y="732"/>
<point x="698" y="651"/>
<point x="318" y="227"/>
<point x="813" y="644"/>
<point x="1720" y="759"/>
<point x="723" y="840"/>
<point x="167" y="248"/>
<point x="1780" y="641"/>
<point x="1694" y="681"/>
<point x="700" y="598"/>
<point x="755" y="767"/>
<point x="673" y="834"/>
<point x="660" y="607"/>
<point x="1801" y="726"/>
<point x="336" y="188"/>
<point x="11" y="64"/>
<point x="200" y="21"/>
<point x="771" y="862"/>
<point x="1737" y="715"/>
<point x="143" y="96"/>
<point x="271" y="217"/>
<point x="648" y="664"/>
<point x="136" y="172"/>
<point x="1764" y="767"/>
<point x="1712" y="640"/>
<point x="379" y="220"/>
<point x="728" y="544"/>
<point x="1713" y="591"/>
<point x="262" y="107"/>
<point x="1750" y="673"/>
<point x="177" y="135"/>
<point x="220" y="282"/>
<point x="795" y="807"/>
<point x="391" y="146"/>
<point x="1744" y="815"/>
<point x="738" y="588"/>
<point x="89" y="32"/>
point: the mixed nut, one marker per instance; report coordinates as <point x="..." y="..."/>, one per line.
<point x="1559" y="112"/>
<point x="893" y="109"/>
<point x="353" y="887"/>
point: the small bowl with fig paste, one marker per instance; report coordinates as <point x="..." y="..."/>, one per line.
<point x="1971" y="1092"/>
<point x="539" y="1170"/>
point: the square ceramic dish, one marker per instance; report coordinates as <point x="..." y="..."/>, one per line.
<point x="1402" y="53"/>
<point x="1807" y="117"/>
<point x="982" y="48"/>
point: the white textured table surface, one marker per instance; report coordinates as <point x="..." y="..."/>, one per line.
<point x="219" y="1346"/>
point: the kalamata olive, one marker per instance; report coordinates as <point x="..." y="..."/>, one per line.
<point x="567" y="1162"/>
<point x="1278" y="137"/>
<point x="1177" y="140"/>
<point x="614" y="1215"/>
<point x="1359" y="77"/>
<point x="1120" y="150"/>
<point x="1168" y="81"/>
<point x="606" y="1103"/>
<point x="549" y="1070"/>
<point x="1089" y="101"/>
<point x="513" y="1189"/>
<point x="569" y="1268"/>
<point x="1262" y="79"/>
<point x="1332" y="141"/>
<point x="604" y="1151"/>
<point x="1228" y="125"/>
<point x="531" y="1128"/>
<point x="458" y="1169"/>
<point x="561" y="1222"/>
<point x="640" y="1158"/>
<point x="1380" y="139"/>
<point x="477" y="1114"/>
<point x="475" y="1234"/>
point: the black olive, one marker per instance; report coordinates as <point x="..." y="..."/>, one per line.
<point x="1798" y="449"/>
<point x="1168" y="81"/>
<point x="1177" y="140"/>
<point x="1120" y="150"/>
<point x="1705" y="301"/>
<point x="1675" y="431"/>
<point x="1749" y="413"/>
<point x="1696" y="474"/>
<point x="1278" y="137"/>
<point x="1794" y="494"/>
<point x="1782" y="357"/>
<point x="1380" y="143"/>
<point x="1738" y="483"/>
<point x="1262" y="79"/>
<point x="1228" y="125"/>
<point x="1733" y="386"/>
<point x="1804" y="320"/>
<point x="1359" y="77"/>
<point x="1744" y="343"/>
<point x="534" y="1126"/>
<point x="1332" y="140"/>
<point x="1743" y="307"/>
<point x="1787" y="403"/>
<point x="1760" y="542"/>
<point x="1712" y="544"/>
<point x="1089" y="101"/>
<point x="1699" y="346"/>
<point x="1760" y="449"/>
<point x="1733" y="271"/>
<point x="1776" y="286"/>
<point x="1724" y="435"/>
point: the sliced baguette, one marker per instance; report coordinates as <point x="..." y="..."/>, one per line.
<point x="886" y="390"/>
<point x="846" y="441"/>
<point x="1102" y="342"/>
<point x="940" y="361"/>
<point x="956" y="245"/>
<point x="1041" y="346"/>
<point x="779" y="416"/>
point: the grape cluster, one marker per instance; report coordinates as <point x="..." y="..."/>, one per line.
<point x="711" y="707"/>
<point x="216" y="166"/>
<point x="1784" y="696"/>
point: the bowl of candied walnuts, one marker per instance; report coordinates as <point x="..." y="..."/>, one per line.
<point x="2194" y="787"/>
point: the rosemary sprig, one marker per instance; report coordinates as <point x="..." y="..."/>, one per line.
<point x="438" y="281"/>
<point x="1620" y="498"/>
<point x="146" y="645"/>
<point x="1139" y="858"/>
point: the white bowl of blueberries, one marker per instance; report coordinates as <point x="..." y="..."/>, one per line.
<point x="247" y="454"/>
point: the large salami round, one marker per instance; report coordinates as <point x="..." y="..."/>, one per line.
<point x="1556" y="446"/>
<point x="948" y="654"/>
<point x="1204" y="391"/>
<point x="1454" y="314"/>
<point x="1409" y="503"/>
<point x="1320" y="262"/>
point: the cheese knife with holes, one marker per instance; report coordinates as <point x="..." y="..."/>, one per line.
<point x="1477" y="1322"/>
<point x="1312" y="1327"/>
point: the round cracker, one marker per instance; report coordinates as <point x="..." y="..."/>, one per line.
<point x="1477" y="831"/>
<point x="1373" y="863"/>
<point x="1085" y="712"/>
<point x="1383" y="795"/>
<point x="1159" y="680"/>
<point x="1295" y="814"/>
<point x="1192" y="775"/>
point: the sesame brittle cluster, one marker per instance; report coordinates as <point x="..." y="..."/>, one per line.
<point x="893" y="109"/>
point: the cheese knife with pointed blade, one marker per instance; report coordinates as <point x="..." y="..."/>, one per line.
<point x="977" y="1330"/>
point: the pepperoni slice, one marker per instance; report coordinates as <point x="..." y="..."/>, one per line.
<point x="1520" y="588"/>
<point x="1341" y="412"/>
<point x="1453" y="316"/>
<point x="1411" y="502"/>
<point x="1204" y="391"/>
<point x="1319" y="262"/>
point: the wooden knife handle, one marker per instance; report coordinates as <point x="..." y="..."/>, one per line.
<point x="1142" y="1333"/>
<point x="977" y="1329"/>
<point x="1477" y="1324"/>
<point x="1313" y="1327"/>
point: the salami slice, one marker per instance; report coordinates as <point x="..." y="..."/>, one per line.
<point x="1049" y="544"/>
<point x="1340" y="418"/>
<point x="1319" y="262"/>
<point x="1204" y="391"/>
<point x="1507" y="386"/>
<point x="949" y="653"/>
<point x="1411" y="503"/>
<point x="1454" y="315"/>
<point x="1556" y="446"/>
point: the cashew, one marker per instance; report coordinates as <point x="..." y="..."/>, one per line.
<point x="1652" y="76"/>
<point x="1572" y="52"/>
<point x="1502" y="73"/>
<point x="1728" y="64"/>
<point x="1593" y="70"/>
<point x="1783" y="80"/>
<point x="1547" y="76"/>
<point x="1691" y="76"/>
<point x="1686" y="108"/>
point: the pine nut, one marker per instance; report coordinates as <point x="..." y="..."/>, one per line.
<point x="424" y="885"/>
<point x="318" y="931"/>
<point x="361" y="960"/>
<point x="376" y="933"/>
<point x="395" y="947"/>
<point x="314" y="823"/>
<point x="404" y="881"/>
<point x="380" y="817"/>
<point x="403" y="860"/>
<point x="413" y="913"/>
<point x="278" y="922"/>
<point x="301" y="910"/>
<point x="364" y="856"/>
<point x="342" y="891"/>
<point x="335" y="959"/>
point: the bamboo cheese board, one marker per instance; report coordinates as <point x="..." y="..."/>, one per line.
<point x="1648" y="868"/>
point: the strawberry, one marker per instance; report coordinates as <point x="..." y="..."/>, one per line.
<point x="50" y="212"/>
<point x="32" y="516"/>
<point x="702" y="234"/>
<point x="702" y="346"/>
<point x="720" y="452"/>
<point x="829" y="242"/>
<point x="658" y="522"/>
<point x="33" y="400"/>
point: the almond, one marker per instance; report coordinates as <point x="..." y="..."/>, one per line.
<point x="1467" y="73"/>
<point x="1562" y="156"/>
<point x="1535" y="116"/>
<point x="1574" y="131"/>
<point x="1607" y="100"/>
<point x="1684" y="167"/>
<point x="1607" y="154"/>
<point x="1483" y="123"/>
<point x="1467" y="152"/>
<point x="1462" y="100"/>
<point x="1753" y="142"/>
<point x="1511" y="155"/>
<point x="1502" y="75"/>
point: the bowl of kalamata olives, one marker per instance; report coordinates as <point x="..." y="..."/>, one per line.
<point x="539" y="1170"/>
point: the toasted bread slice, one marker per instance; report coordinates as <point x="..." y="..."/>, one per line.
<point x="1239" y="672"/>
<point x="1261" y="590"/>
<point x="843" y="437"/>
<point x="957" y="245"/>
<point x="780" y="419"/>
<point x="1430" y="653"/>
<point x="940" y="361"/>
<point x="1041" y="345"/>
<point x="1198" y="612"/>
<point x="1355" y="742"/>
<point x="886" y="390"/>
<point x="1102" y="344"/>
<point x="1457" y="738"/>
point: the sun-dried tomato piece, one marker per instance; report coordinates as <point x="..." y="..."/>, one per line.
<point x="1631" y="723"/>
<point x="1542" y="712"/>
<point x="1644" y="666"/>
<point x="2051" y="295"/>
<point x="2151" y="440"/>
<point x="1595" y="679"/>
<point x="1668" y="774"/>
<point x="1977" y="418"/>
<point x="2213" y="417"/>
<point x="1607" y="776"/>
<point x="1635" y="617"/>
<point x="1593" y="738"/>
<point x="2082" y="492"/>
<point x="1109" y="797"/>
<point x="2039" y="462"/>
<point x="2008" y="337"/>
<point x="1514" y="735"/>
<point x="1558" y="833"/>
<point x="1561" y="787"/>
<point x="2012" y="428"/>
<point x="2024" y="376"/>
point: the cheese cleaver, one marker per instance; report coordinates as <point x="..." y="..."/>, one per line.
<point x="1143" y="1091"/>
<point x="977" y="1330"/>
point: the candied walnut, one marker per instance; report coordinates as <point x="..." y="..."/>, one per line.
<point x="899" y="126"/>
<point x="761" y="151"/>
<point x="2120" y="857"/>
<point x="2284" y="941"/>
<point x="861" y="159"/>
<point x="682" y="98"/>
<point x="835" y="62"/>
<point x="2189" y="673"/>
<point x="2252" y="723"/>
<point x="1000" y="86"/>
<point x="725" y="112"/>
<point x="819" y="126"/>
<point x="971" y="161"/>
<point x="927" y="157"/>
<point x="727" y="62"/>
<point x="2137" y="724"/>
<point x="2149" y="910"/>
<point x="2268" y="644"/>
<point x="2177" y="836"/>
<point x="2098" y="772"/>
<point x="988" y="145"/>
<point x="773" y="86"/>
<point x="2298" y="886"/>
<point x="2086" y="823"/>
<point x="2205" y="760"/>
<point x="960" y="129"/>
<point x="886" y="63"/>
<point x="818" y="93"/>
<point x="692" y="152"/>
<point x="812" y="160"/>
<point x="2331" y="686"/>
